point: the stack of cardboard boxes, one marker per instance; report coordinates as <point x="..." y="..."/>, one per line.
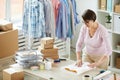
<point x="48" y="49"/>
<point x="8" y="47"/>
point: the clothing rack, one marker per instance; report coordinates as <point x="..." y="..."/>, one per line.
<point x="63" y="32"/>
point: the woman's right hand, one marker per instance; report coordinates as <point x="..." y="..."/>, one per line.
<point x="79" y="63"/>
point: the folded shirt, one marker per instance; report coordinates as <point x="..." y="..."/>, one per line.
<point x="78" y="70"/>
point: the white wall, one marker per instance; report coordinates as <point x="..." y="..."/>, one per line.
<point x="81" y="6"/>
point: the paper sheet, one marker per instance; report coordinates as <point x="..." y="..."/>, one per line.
<point x="78" y="70"/>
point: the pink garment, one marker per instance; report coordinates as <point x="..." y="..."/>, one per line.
<point x="97" y="45"/>
<point x="56" y="4"/>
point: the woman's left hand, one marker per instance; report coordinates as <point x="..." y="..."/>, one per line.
<point x="93" y="65"/>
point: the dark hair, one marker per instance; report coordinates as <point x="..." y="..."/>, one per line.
<point x="89" y="15"/>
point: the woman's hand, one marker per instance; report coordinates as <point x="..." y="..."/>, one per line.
<point x="79" y="63"/>
<point x="93" y="65"/>
<point x="96" y="64"/>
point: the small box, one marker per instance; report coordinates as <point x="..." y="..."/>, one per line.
<point x="8" y="43"/>
<point x="117" y="8"/>
<point x="103" y="4"/>
<point x="47" y="40"/>
<point x="5" y="25"/>
<point x="47" y="46"/>
<point x="13" y="74"/>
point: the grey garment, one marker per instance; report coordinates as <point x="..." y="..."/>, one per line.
<point x="47" y="11"/>
<point x="49" y="18"/>
<point x="52" y="21"/>
<point x="72" y="17"/>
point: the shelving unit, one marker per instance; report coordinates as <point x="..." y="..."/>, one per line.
<point x="114" y="31"/>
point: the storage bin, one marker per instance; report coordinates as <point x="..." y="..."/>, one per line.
<point x="117" y="23"/>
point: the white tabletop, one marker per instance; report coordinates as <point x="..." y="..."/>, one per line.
<point x="60" y="74"/>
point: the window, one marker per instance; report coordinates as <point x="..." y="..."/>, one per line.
<point x="12" y="10"/>
<point x="2" y="10"/>
<point x="17" y="12"/>
<point x="16" y="8"/>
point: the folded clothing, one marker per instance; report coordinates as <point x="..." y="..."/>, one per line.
<point x="78" y="70"/>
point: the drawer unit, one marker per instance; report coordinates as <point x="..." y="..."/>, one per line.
<point x="117" y="23"/>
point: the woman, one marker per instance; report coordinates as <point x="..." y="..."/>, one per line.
<point x="95" y="38"/>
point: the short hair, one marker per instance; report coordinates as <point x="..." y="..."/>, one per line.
<point x="89" y="15"/>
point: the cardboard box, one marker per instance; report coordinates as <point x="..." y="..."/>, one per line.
<point x="103" y="4"/>
<point x="13" y="74"/>
<point x="52" y="57"/>
<point x="49" y="51"/>
<point x="47" y="46"/>
<point x="8" y="43"/>
<point x="50" y="54"/>
<point x="5" y="25"/>
<point x="117" y="8"/>
<point x="47" y="40"/>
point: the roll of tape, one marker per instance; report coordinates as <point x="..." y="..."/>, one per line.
<point x="86" y="77"/>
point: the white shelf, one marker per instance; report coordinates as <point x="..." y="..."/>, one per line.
<point x="114" y="31"/>
<point x="116" y="13"/>
<point x="115" y="50"/>
<point x="109" y="30"/>
<point x="104" y="11"/>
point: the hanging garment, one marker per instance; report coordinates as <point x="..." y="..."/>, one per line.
<point x="49" y="19"/>
<point x="33" y="19"/>
<point x="71" y="31"/>
<point x="52" y="19"/>
<point x="76" y="20"/>
<point x="56" y="6"/>
<point x="62" y="21"/>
